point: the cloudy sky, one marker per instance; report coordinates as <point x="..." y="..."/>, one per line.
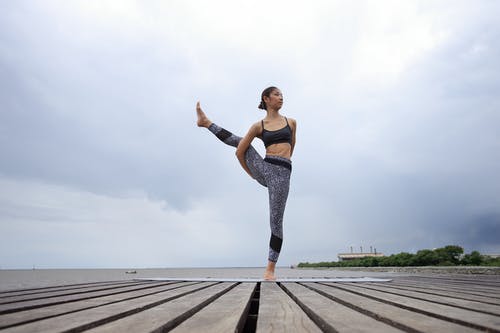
<point x="101" y="164"/>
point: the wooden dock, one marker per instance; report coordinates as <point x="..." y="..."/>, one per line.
<point x="414" y="303"/>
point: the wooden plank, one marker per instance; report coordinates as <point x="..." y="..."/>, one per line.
<point x="403" y="318"/>
<point x="470" y="289"/>
<point x="467" y="278"/>
<point x="73" y="285"/>
<point x="437" y="292"/>
<point x="454" y="277"/>
<point x="446" y="312"/>
<point x="37" y="303"/>
<point x="447" y="300"/>
<point x="279" y="313"/>
<point x="168" y="315"/>
<point x="446" y="288"/>
<point x="470" y="284"/>
<point x="21" y="317"/>
<point x="66" y="292"/>
<point x="34" y="291"/>
<point x="222" y="315"/>
<point x="79" y="321"/>
<point x="332" y="316"/>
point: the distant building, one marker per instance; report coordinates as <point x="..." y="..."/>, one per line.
<point x="359" y="255"/>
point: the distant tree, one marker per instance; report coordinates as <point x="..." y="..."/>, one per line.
<point x="449" y="255"/>
<point x="425" y="258"/>
<point x="384" y="261"/>
<point x="474" y="258"/>
<point x="488" y="261"/>
<point x="369" y="262"/>
<point x="401" y="259"/>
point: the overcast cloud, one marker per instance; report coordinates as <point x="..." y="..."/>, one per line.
<point x="101" y="164"/>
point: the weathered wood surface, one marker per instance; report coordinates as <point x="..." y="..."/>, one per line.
<point x="278" y="314"/>
<point x="413" y="303"/>
<point x="222" y="315"/>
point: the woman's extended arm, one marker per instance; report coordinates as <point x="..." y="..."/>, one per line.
<point x="294" y="130"/>
<point x="244" y="144"/>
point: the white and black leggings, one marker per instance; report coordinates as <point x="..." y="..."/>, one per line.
<point x="272" y="172"/>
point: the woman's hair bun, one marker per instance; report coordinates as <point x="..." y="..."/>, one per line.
<point x="267" y="92"/>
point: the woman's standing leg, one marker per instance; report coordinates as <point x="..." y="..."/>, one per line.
<point x="278" y="180"/>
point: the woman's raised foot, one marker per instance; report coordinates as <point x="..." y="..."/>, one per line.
<point x="203" y="120"/>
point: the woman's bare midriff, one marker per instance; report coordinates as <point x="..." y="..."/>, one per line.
<point x="279" y="149"/>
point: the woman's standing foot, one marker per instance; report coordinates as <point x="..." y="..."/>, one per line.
<point x="203" y="120"/>
<point x="269" y="274"/>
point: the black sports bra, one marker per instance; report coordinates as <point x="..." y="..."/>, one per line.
<point x="279" y="136"/>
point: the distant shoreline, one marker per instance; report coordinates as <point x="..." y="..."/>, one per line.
<point x="486" y="270"/>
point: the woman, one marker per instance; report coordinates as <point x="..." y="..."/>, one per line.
<point x="273" y="172"/>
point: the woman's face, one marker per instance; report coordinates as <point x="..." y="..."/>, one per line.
<point x="275" y="100"/>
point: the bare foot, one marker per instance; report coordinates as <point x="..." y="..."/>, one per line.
<point x="203" y="121"/>
<point x="269" y="276"/>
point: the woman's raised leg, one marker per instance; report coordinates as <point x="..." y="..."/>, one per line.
<point x="254" y="161"/>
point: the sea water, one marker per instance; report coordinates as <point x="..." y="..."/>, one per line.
<point x="33" y="278"/>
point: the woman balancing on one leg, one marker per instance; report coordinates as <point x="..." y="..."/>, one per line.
<point x="273" y="172"/>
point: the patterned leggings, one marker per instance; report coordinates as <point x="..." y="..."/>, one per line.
<point x="272" y="172"/>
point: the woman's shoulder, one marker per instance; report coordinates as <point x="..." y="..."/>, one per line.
<point x="292" y="122"/>
<point x="257" y="124"/>
<point x="256" y="127"/>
